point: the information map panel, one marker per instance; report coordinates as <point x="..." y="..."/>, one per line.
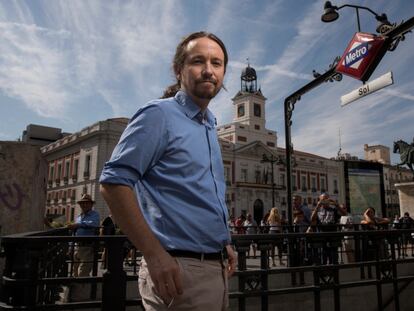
<point x="364" y="190"/>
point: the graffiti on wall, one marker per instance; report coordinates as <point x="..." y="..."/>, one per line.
<point x="11" y="196"/>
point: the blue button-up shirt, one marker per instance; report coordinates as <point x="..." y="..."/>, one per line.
<point x="88" y="223"/>
<point x="169" y="153"/>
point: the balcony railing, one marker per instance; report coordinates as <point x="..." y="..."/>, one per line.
<point x="315" y="269"/>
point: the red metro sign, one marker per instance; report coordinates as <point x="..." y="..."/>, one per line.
<point x="362" y="56"/>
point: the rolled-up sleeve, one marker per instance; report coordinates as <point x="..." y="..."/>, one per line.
<point x="140" y="147"/>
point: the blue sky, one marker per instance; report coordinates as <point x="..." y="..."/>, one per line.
<point x="71" y="63"/>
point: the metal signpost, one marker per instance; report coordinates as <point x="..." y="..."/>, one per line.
<point x="390" y="34"/>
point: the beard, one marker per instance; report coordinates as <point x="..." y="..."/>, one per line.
<point x="206" y="89"/>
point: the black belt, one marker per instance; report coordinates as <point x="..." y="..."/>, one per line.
<point x="200" y="256"/>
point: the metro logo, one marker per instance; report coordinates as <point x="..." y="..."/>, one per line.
<point x="356" y="54"/>
<point x="362" y="55"/>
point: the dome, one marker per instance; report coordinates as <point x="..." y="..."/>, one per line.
<point x="248" y="74"/>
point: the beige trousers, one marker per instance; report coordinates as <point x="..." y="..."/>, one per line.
<point x="205" y="287"/>
<point x="83" y="261"/>
<point x="82" y="266"/>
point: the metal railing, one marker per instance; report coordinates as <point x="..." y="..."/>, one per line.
<point x="39" y="268"/>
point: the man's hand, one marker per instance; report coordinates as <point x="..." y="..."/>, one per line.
<point x="232" y="261"/>
<point x="72" y="226"/>
<point x="165" y="273"/>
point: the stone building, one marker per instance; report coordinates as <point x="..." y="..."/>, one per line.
<point x="254" y="166"/>
<point x="74" y="166"/>
<point x="391" y="175"/>
<point x="41" y="135"/>
<point x="377" y="153"/>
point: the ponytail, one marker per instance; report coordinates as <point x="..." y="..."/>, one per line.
<point x="171" y="90"/>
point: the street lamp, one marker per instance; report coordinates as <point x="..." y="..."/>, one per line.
<point x="331" y="14"/>
<point x="272" y="160"/>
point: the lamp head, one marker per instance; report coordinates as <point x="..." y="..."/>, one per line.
<point x="329" y="13"/>
<point x="383" y="23"/>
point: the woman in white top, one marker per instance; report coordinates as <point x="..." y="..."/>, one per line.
<point x="275" y="226"/>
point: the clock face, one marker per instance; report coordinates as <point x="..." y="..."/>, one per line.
<point x="257" y="110"/>
<point x="240" y="111"/>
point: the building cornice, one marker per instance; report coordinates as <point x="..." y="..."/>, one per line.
<point x="98" y="128"/>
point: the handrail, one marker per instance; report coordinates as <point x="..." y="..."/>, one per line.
<point x="32" y="280"/>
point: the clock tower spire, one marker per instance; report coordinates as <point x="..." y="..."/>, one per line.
<point x="249" y="122"/>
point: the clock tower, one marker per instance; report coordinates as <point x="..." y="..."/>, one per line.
<point x="249" y="122"/>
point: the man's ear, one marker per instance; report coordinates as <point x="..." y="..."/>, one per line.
<point x="177" y="72"/>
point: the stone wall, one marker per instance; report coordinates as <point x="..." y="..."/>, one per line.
<point x="406" y="196"/>
<point x="22" y="188"/>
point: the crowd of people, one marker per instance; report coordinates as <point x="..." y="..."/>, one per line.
<point x="326" y="216"/>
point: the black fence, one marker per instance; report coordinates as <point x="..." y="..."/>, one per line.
<point x="38" y="271"/>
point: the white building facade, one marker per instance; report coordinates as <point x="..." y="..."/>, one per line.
<point x="75" y="163"/>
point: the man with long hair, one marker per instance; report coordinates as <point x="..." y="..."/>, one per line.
<point x="165" y="186"/>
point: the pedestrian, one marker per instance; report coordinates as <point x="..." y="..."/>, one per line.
<point x="406" y="222"/>
<point x="165" y="186"/>
<point x="232" y="225"/>
<point x="373" y="246"/>
<point x="302" y="212"/>
<point x="263" y="223"/>
<point x="348" y="242"/>
<point x="372" y="222"/>
<point x="326" y="216"/>
<point x="396" y="222"/>
<point x="251" y="228"/>
<point x="275" y="226"/>
<point x="239" y="224"/>
<point x="86" y="224"/>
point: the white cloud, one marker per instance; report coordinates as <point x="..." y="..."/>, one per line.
<point x="397" y="93"/>
<point x="114" y="99"/>
<point x="32" y="67"/>
<point x="87" y="49"/>
<point x="309" y="32"/>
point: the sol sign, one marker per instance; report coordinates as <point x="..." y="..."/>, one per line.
<point x="362" y="56"/>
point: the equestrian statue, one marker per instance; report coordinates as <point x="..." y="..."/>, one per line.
<point x="406" y="152"/>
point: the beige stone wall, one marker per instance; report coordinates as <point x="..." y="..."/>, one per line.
<point x="22" y="188"/>
<point x="406" y="195"/>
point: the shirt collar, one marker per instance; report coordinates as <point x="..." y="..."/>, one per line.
<point x="192" y="110"/>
